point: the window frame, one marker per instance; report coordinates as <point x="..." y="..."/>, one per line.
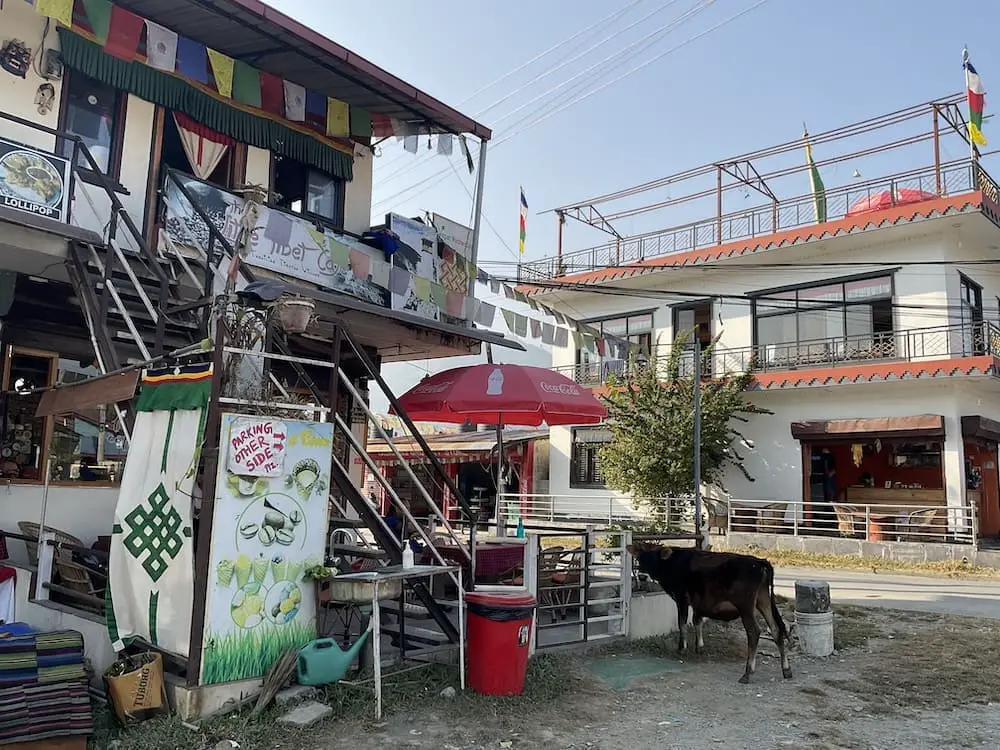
<point x="795" y="307"/>
<point x="598" y="323"/>
<point x="117" y="137"/>
<point x="592" y="481"/>
<point x="336" y="224"/>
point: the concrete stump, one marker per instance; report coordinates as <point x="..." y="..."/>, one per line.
<point x="812" y="597"/>
<point x="814" y="617"/>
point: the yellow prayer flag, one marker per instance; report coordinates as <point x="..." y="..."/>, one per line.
<point x="338" y="118"/>
<point x="318" y="237"/>
<point x="60" y="10"/>
<point x="222" y="69"/>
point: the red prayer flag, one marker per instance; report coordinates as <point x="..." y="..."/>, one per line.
<point x="123" y="33"/>
<point x="272" y="94"/>
<point x="383" y="126"/>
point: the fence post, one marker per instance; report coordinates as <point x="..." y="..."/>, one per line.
<point x="531" y="547"/>
<point x="611" y="510"/>
<point x="795" y="518"/>
<point x="868" y="524"/>
<point x="626" y="589"/>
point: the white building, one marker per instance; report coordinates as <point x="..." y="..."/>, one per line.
<point x="871" y="339"/>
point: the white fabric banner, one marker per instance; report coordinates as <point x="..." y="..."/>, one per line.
<point x="203" y="154"/>
<point x="151" y="570"/>
<point x="161" y="47"/>
<point x="295" y="102"/>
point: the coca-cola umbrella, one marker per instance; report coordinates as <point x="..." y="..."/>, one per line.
<point x="499" y="395"/>
<point x="887" y="199"/>
<point x="502" y="394"/>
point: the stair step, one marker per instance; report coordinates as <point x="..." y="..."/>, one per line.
<point x="410" y="611"/>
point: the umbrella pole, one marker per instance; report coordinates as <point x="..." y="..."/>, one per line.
<point x="501" y="505"/>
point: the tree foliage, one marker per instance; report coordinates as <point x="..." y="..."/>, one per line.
<point x="651" y="418"/>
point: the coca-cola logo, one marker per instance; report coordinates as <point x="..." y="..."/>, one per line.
<point x="433" y="387"/>
<point x="563" y="389"/>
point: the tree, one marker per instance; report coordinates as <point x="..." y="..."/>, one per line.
<point x="651" y="418"/>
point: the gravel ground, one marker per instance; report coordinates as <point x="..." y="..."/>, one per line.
<point x="897" y="680"/>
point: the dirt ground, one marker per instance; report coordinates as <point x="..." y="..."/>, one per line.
<point x="897" y="680"/>
<point x="900" y="680"/>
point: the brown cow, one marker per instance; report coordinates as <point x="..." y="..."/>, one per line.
<point x="718" y="586"/>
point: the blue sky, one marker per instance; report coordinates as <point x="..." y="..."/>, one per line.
<point x="748" y="84"/>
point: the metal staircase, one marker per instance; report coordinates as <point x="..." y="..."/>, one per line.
<point x="140" y="305"/>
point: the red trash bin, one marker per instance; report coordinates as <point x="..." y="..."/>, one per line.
<point x="499" y="631"/>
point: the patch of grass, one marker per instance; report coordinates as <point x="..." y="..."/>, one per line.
<point x="550" y="678"/>
<point x="249" y="654"/>
<point x="796" y="559"/>
<point x="852" y="627"/>
<point x="953" y="663"/>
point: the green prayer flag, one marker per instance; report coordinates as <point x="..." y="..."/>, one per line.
<point x="422" y="288"/>
<point x="438" y="295"/>
<point x="508" y="318"/>
<point x="339" y="252"/>
<point x="521" y="325"/>
<point x="246" y="84"/>
<point x="361" y="122"/>
<point x="99" y="18"/>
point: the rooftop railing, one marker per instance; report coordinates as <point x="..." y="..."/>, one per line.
<point x="915" y="345"/>
<point x="950" y="179"/>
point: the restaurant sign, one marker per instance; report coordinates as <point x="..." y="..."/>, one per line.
<point x="33" y="181"/>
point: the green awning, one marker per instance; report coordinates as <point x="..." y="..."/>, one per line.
<point x="173" y="93"/>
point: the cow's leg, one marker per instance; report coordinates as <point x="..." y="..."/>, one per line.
<point x="769" y="609"/>
<point x="753" y="638"/>
<point x="699" y="632"/>
<point x="682" y="618"/>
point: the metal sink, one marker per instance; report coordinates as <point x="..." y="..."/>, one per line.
<point x="359" y="591"/>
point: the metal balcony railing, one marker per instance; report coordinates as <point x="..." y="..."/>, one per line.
<point x="956" y="177"/>
<point x="915" y="345"/>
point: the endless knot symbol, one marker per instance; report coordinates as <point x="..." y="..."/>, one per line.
<point x="155" y="530"/>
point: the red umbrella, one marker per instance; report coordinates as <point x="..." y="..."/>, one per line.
<point x="502" y="394"/>
<point x="887" y="199"/>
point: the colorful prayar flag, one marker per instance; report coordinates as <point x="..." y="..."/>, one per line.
<point x="524" y="220"/>
<point x="976" y="94"/>
<point x="816" y="182"/>
<point x="60" y="10"/>
<point x="150" y="590"/>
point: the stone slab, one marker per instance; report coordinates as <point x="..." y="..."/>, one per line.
<point x="306" y="715"/>
<point x="294" y="694"/>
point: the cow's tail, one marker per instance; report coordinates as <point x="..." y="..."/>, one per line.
<point x="780" y="623"/>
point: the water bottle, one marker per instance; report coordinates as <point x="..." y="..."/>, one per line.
<point x="520" y="528"/>
<point x="407" y="556"/>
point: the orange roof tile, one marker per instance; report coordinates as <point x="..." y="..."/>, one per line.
<point x="874" y="373"/>
<point x="863" y="222"/>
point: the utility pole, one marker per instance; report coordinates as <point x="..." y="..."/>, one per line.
<point x="697" y="440"/>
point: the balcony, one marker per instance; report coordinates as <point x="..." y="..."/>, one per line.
<point x="912" y="346"/>
<point x="948" y="180"/>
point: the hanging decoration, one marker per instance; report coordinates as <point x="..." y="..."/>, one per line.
<point x="204" y="147"/>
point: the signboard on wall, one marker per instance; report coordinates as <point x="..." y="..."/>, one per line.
<point x="266" y="531"/>
<point x="35" y="182"/>
<point x="280" y="242"/>
<point x="257" y="447"/>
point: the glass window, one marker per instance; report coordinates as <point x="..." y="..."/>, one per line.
<point x="585" y="460"/>
<point x="23" y="435"/>
<point x="304" y="190"/>
<point x="93" y="111"/>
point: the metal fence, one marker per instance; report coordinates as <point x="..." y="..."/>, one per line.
<point x="914" y="345"/>
<point x="882" y="522"/>
<point x="956" y="178"/>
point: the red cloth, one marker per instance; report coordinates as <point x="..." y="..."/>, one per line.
<point x="7" y="573"/>
<point x="123" y="33"/>
<point x="3" y="546"/>
<point x="272" y="94"/>
<point x="502" y="394"/>
<point x="183" y="121"/>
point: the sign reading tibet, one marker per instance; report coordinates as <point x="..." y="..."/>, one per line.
<point x="33" y="181"/>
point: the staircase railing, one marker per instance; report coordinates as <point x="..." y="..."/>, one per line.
<point x="218" y="247"/>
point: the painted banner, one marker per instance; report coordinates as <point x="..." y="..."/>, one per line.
<point x="280" y="242"/>
<point x="150" y="584"/>
<point x="34" y="181"/>
<point x="267" y="531"/>
<point x="418" y="255"/>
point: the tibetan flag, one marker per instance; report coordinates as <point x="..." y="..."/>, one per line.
<point x="816" y="182"/>
<point x="246" y="84"/>
<point x="361" y="122"/>
<point x="338" y="119"/>
<point x="223" y="70"/>
<point x="272" y="94"/>
<point x="524" y="221"/>
<point x="192" y="60"/>
<point x="59" y="10"/>
<point x="123" y="34"/>
<point x="295" y="101"/>
<point x="316" y="110"/>
<point x="99" y="18"/>
<point x="976" y="94"/>
<point x="161" y="47"/>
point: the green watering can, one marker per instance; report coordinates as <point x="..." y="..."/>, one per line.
<point x="322" y="661"/>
